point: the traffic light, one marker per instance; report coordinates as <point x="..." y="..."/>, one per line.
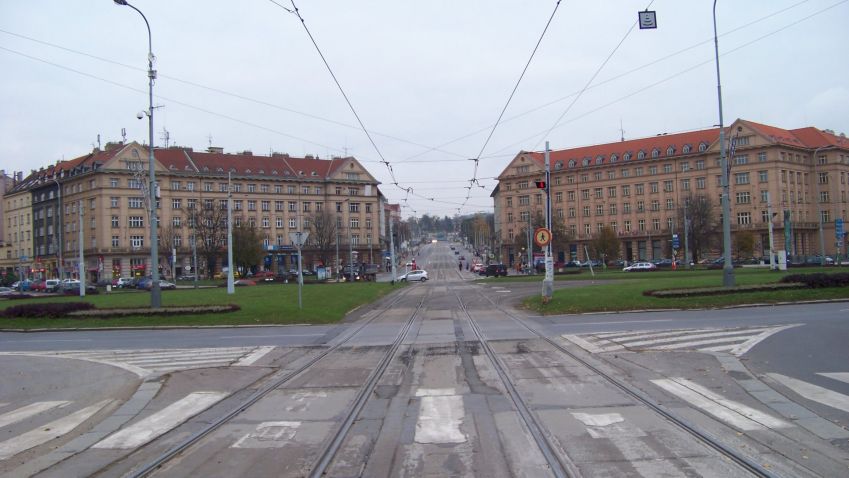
<point x="540" y="184"/>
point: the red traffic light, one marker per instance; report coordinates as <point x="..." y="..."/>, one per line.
<point x="540" y="184"/>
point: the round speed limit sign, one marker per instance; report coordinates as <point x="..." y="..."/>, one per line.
<point x="542" y="237"/>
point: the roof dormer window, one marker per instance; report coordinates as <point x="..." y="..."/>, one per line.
<point x="670" y="150"/>
<point x="686" y="149"/>
<point x="655" y="153"/>
<point x="641" y="154"/>
<point x="703" y="147"/>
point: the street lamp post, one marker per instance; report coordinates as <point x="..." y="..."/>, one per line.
<point x="728" y="268"/>
<point x="819" y="208"/>
<point x="155" y="292"/>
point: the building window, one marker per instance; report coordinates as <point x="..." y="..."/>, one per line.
<point x="237" y="205"/>
<point x="641" y="206"/>
<point x="700" y="183"/>
<point x="667" y="186"/>
<point x="670" y="204"/>
<point x="599" y="193"/>
<point x="744" y="218"/>
<point x="207" y="186"/>
<point x="115" y="221"/>
<point x="654" y="188"/>
<point x="741" y="159"/>
<point x="176" y="203"/>
<point x="136" y="221"/>
<point x="823" y="196"/>
<point x="137" y="242"/>
<point x="266" y="223"/>
<point x="667" y="168"/>
<point x="113" y="202"/>
<point x="655" y="224"/>
<point x="586" y="211"/>
<point x="685" y="184"/>
<point x="251" y="188"/>
<point x="116" y="241"/>
<point x="134" y="202"/>
<point x="113" y="182"/>
<point x="743" y="197"/>
<point x="626" y="208"/>
<point x="292" y="223"/>
<point x="626" y="191"/>
<point x="639" y="189"/>
<point x="266" y="205"/>
<point x="741" y="178"/>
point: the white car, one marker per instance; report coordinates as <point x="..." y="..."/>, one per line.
<point x="640" y="267"/>
<point x="418" y="275"/>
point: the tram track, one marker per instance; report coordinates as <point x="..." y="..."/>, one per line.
<point x="639" y="396"/>
<point x="275" y="383"/>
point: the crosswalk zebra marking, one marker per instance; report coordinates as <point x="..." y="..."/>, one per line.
<point x="814" y="392"/>
<point x="45" y="433"/>
<point x="841" y="376"/>
<point x="160" y="422"/>
<point x="729" y="411"/>
<point x="144" y="362"/>
<point x="27" y="411"/>
<point x="736" y="341"/>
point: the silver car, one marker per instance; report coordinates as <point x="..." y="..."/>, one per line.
<point x="417" y="275"/>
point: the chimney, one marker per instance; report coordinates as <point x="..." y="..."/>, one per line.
<point x="247" y="152"/>
<point x="113" y="145"/>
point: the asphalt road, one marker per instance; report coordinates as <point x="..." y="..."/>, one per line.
<point x="771" y="382"/>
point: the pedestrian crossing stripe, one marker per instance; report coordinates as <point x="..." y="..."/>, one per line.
<point x="145" y="362"/>
<point x="736" y="341"/>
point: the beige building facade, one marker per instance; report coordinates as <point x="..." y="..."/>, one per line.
<point x="639" y="187"/>
<point x="104" y="194"/>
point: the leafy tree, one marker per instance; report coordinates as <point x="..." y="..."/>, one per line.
<point x="605" y="244"/>
<point x="247" y="246"/>
<point x="744" y="244"/>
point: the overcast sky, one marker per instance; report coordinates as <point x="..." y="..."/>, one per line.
<point x="427" y="78"/>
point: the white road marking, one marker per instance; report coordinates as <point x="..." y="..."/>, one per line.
<point x="440" y="417"/>
<point x="160" y="422"/>
<point x="615" y="323"/>
<point x="269" y="336"/>
<point x="611" y="426"/>
<point x="252" y="357"/>
<point x="736" y="341"/>
<point x="27" y="411"/>
<point x="746" y="346"/>
<point x="842" y="376"/>
<point x="729" y="411"/>
<point x="814" y="392"/>
<point x="268" y="435"/>
<point x="45" y="433"/>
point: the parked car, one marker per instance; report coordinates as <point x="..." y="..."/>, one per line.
<point x="640" y="267"/>
<point x="51" y="285"/>
<point x="245" y="282"/>
<point x="665" y="263"/>
<point x="144" y="283"/>
<point x="37" y="285"/>
<point x="4" y="291"/>
<point x="165" y="285"/>
<point x="125" y="282"/>
<point x="478" y="267"/>
<point x="416" y="275"/>
<point x="495" y="270"/>
<point x="186" y="277"/>
<point x="74" y="289"/>
<point x="22" y="285"/>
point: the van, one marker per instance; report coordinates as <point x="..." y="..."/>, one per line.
<point x="51" y="285"/>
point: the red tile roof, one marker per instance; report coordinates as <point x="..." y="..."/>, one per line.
<point x="605" y="152"/>
<point x="277" y="165"/>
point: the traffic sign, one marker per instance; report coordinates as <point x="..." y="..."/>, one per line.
<point x="676" y="243"/>
<point x="648" y="19"/>
<point x="542" y="237"/>
<point x="838" y="228"/>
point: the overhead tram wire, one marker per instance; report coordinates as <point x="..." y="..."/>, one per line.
<point x="504" y="109"/>
<point x="689" y="69"/>
<point x="589" y="82"/>
<point x="614" y="78"/>
<point x="236" y="95"/>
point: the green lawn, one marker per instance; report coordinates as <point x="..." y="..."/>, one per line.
<point x="619" y="291"/>
<point x="261" y="304"/>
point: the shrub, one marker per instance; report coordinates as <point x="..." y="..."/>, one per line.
<point x="819" y="279"/>
<point x="48" y="309"/>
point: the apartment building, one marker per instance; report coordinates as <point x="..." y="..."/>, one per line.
<point x="638" y="188"/>
<point x="100" y="201"/>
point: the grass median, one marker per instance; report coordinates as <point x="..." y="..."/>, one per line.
<point x="270" y="304"/>
<point x="620" y="291"/>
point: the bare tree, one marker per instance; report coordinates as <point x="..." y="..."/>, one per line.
<point x="703" y="227"/>
<point x="323" y="233"/>
<point x="744" y="244"/>
<point x="210" y="226"/>
<point x="605" y="244"/>
<point x="167" y="245"/>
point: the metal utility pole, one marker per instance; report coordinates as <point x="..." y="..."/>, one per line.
<point x="195" y="252"/>
<point x="728" y="268"/>
<point x="231" y="289"/>
<point x="350" y="256"/>
<point x="82" y="258"/>
<point x="548" y="282"/>
<point x="155" y="292"/>
<point x="772" y="264"/>
<point x="338" y="269"/>
<point x="530" y="248"/>
<point x="391" y="250"/>
<point x="686" y="233"/>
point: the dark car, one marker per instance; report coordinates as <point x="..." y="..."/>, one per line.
<point x="495" y="270"/>
<point x="74" y="289"/>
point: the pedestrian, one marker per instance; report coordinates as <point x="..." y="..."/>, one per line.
<point x="461" y="265"/>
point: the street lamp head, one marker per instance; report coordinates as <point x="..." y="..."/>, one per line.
<point x="140" y="114"/>
<point x="120" y="2"/>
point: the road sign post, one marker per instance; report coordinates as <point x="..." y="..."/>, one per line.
<point x="299" y="239"/>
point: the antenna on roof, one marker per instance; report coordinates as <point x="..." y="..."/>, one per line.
<point x="123" y="135"/>
<point x="165" y="136"/>
<point x="98" y="141"/>
<point x="209" y="138"/>
<point x="621" y="131"/>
